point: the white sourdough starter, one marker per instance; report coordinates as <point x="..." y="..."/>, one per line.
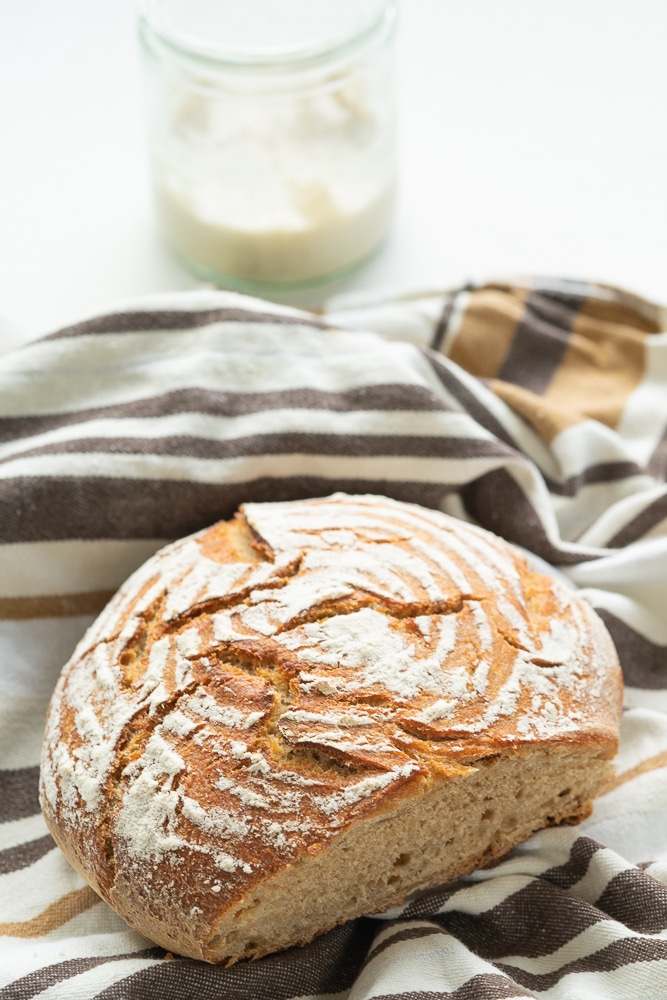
<point x="277" y="191"/>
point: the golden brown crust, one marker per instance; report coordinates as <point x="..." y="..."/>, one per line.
<point x="257" y="690"/>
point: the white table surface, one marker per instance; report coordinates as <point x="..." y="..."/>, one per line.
<point x="533" y="140"/>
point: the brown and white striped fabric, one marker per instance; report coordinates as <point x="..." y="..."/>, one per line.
<point x="537" y="409"/>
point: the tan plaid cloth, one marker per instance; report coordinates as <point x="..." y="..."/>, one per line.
<point x="536" y="409"/>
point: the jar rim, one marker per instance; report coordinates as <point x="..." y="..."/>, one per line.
<point x="157" y="29"/>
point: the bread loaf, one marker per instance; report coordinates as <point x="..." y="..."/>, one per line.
<point x="309" y="712"/>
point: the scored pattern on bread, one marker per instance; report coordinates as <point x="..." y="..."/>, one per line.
<point x="263" y="696"/>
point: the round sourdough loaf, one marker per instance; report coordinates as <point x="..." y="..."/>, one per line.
<point x="310" y="711"/>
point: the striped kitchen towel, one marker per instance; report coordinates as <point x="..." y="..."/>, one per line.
<point x="536" y="409"/>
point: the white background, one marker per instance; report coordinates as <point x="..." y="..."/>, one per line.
<point x="533" y="140"/>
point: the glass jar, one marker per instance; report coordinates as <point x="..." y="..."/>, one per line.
<point x="272" y="135"/>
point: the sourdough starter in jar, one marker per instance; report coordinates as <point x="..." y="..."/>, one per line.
<point x="271" y="134"/>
